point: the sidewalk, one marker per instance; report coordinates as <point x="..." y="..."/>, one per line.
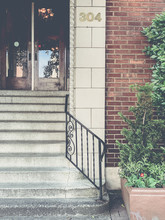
<point x="117" y="209"/>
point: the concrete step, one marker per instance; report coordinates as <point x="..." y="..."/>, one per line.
<point x="32" y="107"/>
<point x="30" y="209"/>
<point x="24" y="93"/>
<point x="32" y="99"/>
<point x="79" y="189"/>
<point x="32" y="126"/>
<point x="31" y="116"/>
<point x="102" y="216"/>
<point x="32" y="135"/>
<point x="39" y="174"/>
<point x="32" y="147"/>
<point x="33" y="160"/>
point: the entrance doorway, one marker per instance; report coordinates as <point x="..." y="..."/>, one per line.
<point x="33" y="44"/>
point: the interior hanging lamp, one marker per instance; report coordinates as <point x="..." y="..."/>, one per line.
<point x="45" y="13"/>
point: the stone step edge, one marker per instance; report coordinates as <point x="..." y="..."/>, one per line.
<point x="32" y="131"/>
<point x="66" y="192"/>
<point x="33" y="112"/>
<point x="39" y="169"/>
<point x="53" y="207"/>
<point x="24" y="121"/>
<point x="32" y="141"/>
<point x="78" y="184"/>
<point x="32" y="93"/>
<point x="17" y="155"/>
<point x="26" y="103"/>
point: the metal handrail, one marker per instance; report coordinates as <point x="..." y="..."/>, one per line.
<point x="84" y="149"/>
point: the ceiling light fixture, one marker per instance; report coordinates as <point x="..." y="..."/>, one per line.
<point x="45" y="13"/>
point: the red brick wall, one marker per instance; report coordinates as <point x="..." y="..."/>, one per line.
<point x="126" y="64"/>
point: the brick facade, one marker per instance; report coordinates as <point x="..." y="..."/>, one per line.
<point x="126" y="64"/>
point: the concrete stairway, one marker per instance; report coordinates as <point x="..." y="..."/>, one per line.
<point x="32" y="147"/>
<point x="32" y="150"/>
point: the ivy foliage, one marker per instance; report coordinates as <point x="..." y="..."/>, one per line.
<point x="155" y="34"/>
<point x="142" y="136"/>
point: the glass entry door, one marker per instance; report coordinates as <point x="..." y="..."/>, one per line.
<point x="50" y="29"/>
<point x="15" y="69"/>
<point x="33" y="39"/>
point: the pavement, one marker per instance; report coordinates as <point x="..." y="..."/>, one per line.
<point x="117" y="210"/>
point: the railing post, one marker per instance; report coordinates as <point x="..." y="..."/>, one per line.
<point x="66" y="103"/>
<point x="100" y="171"/>
<point x="66" y="110"/>
<point x="66" y="134"/>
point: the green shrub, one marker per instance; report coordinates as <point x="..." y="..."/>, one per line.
<point x="155" y="34"/>
<point x="143" y="136"/>
<point x="144" y="174"/>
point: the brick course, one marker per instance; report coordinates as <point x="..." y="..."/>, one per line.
<point x="126" y="64"/>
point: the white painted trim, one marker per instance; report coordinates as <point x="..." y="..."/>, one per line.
<point x="32" y="46"/>
<point x="72" y="54"/>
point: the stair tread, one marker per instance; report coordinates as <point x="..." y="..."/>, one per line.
<point x="26" y="103"/>
<point x="52" y="201"/>
<point x="37" y="169"/>
<point x="32" y="141"/>
<point x="54" y="208"/>
<point x="22" y="121"/>
<point x="31" y="155"/>
<point x="78" y="184"/>
<point x="26" y="93"/>
<point x="33" y="112"/>
<point x="32" y="131"/>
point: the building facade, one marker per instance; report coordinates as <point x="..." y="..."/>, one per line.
<point x="93" y="49"/>
<point x="126" y="64"/>
<point x="116" y="29"/>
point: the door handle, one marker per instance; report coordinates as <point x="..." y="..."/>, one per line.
<point x="30" y="56"/>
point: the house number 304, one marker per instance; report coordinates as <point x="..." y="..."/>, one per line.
<point x="90" y="17"/>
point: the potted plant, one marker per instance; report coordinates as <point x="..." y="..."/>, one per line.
<point x="142" y="165"/>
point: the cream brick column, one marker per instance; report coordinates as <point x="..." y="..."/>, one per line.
<point x="89" y="85"/>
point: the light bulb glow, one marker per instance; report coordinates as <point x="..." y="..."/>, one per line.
<point x="45" y="13"/>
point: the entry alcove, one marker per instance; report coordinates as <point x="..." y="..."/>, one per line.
<point x="34" y="44"/>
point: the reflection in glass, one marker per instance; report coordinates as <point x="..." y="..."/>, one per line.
<point x="16" y="31"/>
<point x="45" y="13"/>
<point x="49" y="59"/>
<point x="16" y="61"/>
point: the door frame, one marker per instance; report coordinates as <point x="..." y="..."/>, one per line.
<point x="37" y="82"/>
<point x="32" y="47"/>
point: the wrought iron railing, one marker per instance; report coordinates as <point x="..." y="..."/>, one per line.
<point x="85" y="150"/>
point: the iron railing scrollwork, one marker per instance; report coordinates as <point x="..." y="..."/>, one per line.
<point x="85" y="150"/>
<point x="70" y="144"/>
